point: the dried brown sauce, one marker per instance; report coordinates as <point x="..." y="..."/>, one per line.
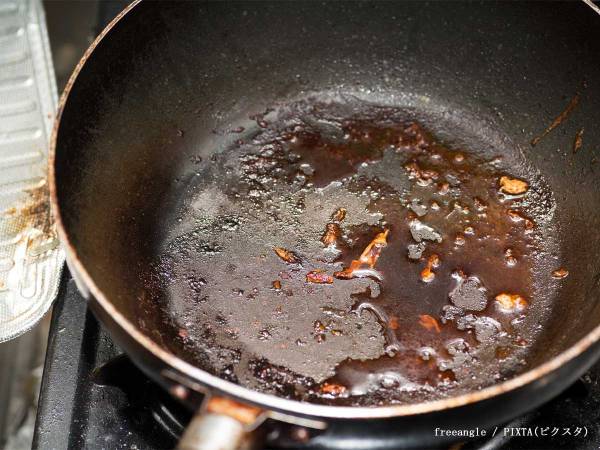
<point x="423" y="306"/>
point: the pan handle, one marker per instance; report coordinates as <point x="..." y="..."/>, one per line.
<point x="222" y="424"/>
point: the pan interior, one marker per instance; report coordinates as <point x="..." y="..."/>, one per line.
<point x="251" y="270"/>
<point x="155" y="194"/>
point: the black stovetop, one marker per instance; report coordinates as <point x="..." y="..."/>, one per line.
<point x="93" y="397"/>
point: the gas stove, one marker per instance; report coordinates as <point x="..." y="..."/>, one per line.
<point x="94" y="397"/>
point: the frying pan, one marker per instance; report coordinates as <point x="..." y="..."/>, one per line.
<point x="162" y="77"/>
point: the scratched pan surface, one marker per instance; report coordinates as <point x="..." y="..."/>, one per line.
<point x="192" y="146"/>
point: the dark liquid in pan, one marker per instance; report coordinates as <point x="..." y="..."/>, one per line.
<point x="422" y="323"/>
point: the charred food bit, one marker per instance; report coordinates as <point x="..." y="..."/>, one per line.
<point x="511" y="302"/>
<point x="560" y="273"/>
<point x="559" y="119"/>
<point x="287" y="255"/>
<point x="578" y="142"/>
<point x="373" y="250"/>
<point x="333" y="231"/>
<point x="429" y="323"/>
<point x="332" y="234"/>
<point x="367" y="259"/>
<point x="333" y="389"/>
<point x="509" y="257"/>
<point x="521" y="341"/>
<point x="423" y="177"/>
<point x="513" y="186"/>
<point x="444" y="188"/>
<point x="516" y="216"/>
<point x="427" y="274"/>
<point x="319" y="277"/>
<point x="339" y="215"/>
<point x="529" y="224"/>
<point x="479" y="204"/>
<point x="348" y="272"/>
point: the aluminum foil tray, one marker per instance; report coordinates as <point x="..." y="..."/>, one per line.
<point x="30" y="256"/>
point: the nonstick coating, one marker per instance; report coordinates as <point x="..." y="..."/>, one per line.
<point x="168" y="75"/>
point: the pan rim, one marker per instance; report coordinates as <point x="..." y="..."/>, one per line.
<point x="267" y="401"/>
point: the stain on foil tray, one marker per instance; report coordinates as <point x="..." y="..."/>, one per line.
<point x="30" y="256"/>
<point x="28" y="269"/>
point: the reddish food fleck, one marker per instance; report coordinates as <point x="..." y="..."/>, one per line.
<point x="333" y="389"/>
<point x="368" y="258"/>
<point x="373" y="250"/>
<point x="429" y="323"/>
<point x="287" y="255"/>
<point x="447" y="376"/>
<point x="510" y="258"/>
<point x="332" y="234"/>
<point x="559" y="119"/>
<point x="516" y="216"/>
<point x="444" y="188"/>
<point x="345" y="274"/>
<point x="277" y="284"/>
<point x="429" y="174"/>
<point x="339" y="215"/>
<point x="459" y="239"/>
<point x="560" y="273"/>
<point x="513" y="186"/>
<point x="511" y="302"/>
<point x="479" y="204"/>
<point x="423" y="177"/>
<point x="319" y="277"/>
<point x="393" y="323"/>
<point x="578" y="142"/>
<point x="318" y="326"/>
<point x="521" y="342"/>
<point x="503" y="352"/>
<point x="427" y="275"/>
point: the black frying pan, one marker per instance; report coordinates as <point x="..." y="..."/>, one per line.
<point x="149" y="103"/>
